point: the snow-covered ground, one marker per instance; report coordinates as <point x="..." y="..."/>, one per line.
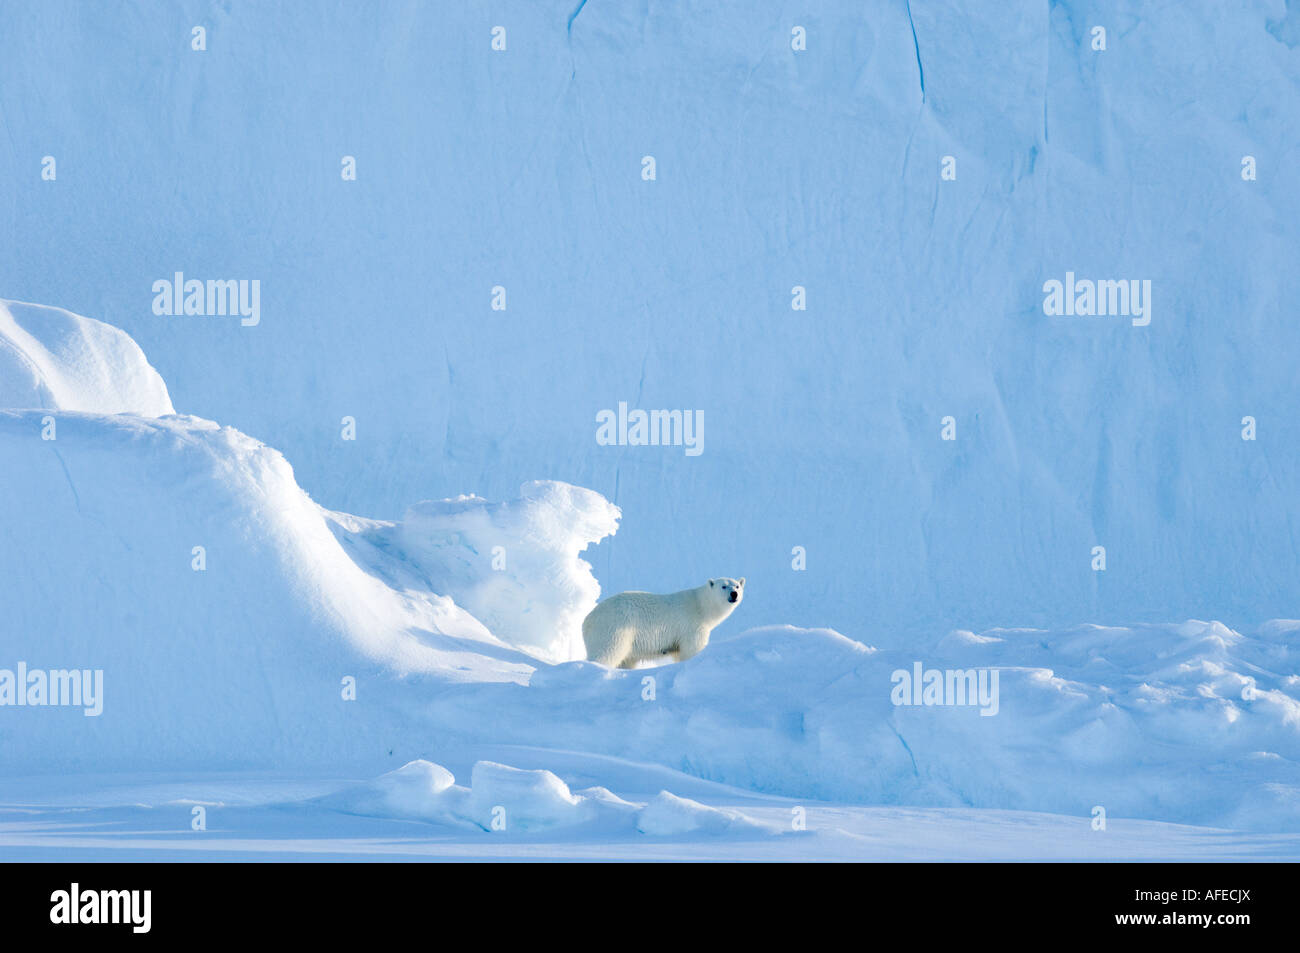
<point x="340" y="612"/>
<point x="261" y="818"/>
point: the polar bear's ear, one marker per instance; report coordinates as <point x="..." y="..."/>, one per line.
<point x="711" y="581"/>
<point x="742" y="581"/>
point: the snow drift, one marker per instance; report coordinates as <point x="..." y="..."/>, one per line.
<point x="503" y="798"/>
<point x="513" y="564"/>
<point x="182" y="559"/>
<point x="51" y="359"/>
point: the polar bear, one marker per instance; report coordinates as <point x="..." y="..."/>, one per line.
<point x="633" y="626"/>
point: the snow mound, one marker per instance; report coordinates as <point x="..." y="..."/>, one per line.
<point x="182" y="559"/>
<point x="522" y="798"/>
<point x="514" y="565"/>
<point x="418" y="790"/>
<point x="235" y="621"/>
<point x="542" y="590"/>
<point x="51" y="359"/>
<point x="503" y="798"/>
<point x="669" y="815"/>
<point x="499" y="798"/>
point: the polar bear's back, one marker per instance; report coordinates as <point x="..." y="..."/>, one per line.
<point x="655" y="623"/>
<point x="648" y="612"/>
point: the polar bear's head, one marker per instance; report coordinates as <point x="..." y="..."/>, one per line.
<point x="728" y="590"/>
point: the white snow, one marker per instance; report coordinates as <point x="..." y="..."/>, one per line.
<point x="51" y="359"/>
<point x="504" y="798"/>
<point x="230" y="665"/>
<point x="419" y="789"/>
<point x="537" y="591"/>
<point x="669" y="815"/>
<point x="137" y="817"/>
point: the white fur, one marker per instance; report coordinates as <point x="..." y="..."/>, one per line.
<point x="633" y="626"/>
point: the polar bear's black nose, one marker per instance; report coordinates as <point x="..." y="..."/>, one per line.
<point x="734" y="595"/>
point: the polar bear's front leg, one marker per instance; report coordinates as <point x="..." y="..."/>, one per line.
<point x="689" y="648"/>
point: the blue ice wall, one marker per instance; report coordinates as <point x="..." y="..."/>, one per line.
<point x="775" y="168"/>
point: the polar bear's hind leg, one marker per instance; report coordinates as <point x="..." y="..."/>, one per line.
<point x="617" y="652"/>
